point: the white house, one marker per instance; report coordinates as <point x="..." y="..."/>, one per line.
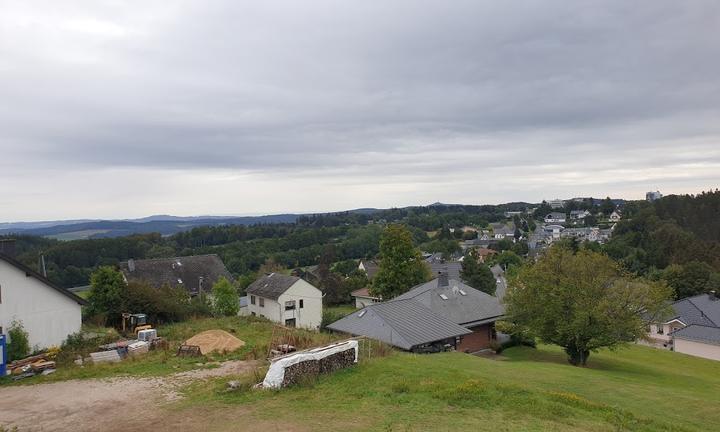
<point x="364" y="298"/>
<point x="48" y="312"/>
<point x="287" y="300"/>
<point x="693" y="327"/>
<point x="615" y="216"/>
<point x="555" y="217"/>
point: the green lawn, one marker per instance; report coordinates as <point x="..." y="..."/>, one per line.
<point x="637" y="388"/>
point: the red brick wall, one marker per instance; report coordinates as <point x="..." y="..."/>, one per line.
<point x="479" y="339"/>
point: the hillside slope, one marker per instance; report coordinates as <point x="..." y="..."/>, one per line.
<point x="634" y="389"/>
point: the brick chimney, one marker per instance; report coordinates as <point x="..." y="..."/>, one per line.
<point x="7" y="247"/>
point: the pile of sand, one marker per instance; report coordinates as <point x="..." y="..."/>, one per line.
<point x="215" y="340"/>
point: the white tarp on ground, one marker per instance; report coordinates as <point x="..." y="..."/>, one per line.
<point x="276" y="373"/>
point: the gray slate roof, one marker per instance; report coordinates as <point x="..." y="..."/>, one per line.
<point x="473" y="308"/>
<point x="699" y="333"/>
<point x="271" y="286"/>
<point x="451" y="268"/>
<point x="402" y="323"/>
<point x="178" y="272"/>
<point x="700" y="309"/>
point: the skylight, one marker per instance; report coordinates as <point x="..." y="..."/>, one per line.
<point x="443" y="296"/>
<point x="362" y="312"/>
<point x="179" y="280"/>
<point x="462" y="292"/>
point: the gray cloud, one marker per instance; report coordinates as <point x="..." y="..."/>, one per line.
<point x="548" y="98"/>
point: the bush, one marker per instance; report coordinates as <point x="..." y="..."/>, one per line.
<point x="226" y="301"/>
<point x="19" y="341"/>
<point x="329" y="316"/>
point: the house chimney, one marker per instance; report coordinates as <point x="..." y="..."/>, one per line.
<point x="713" y="295"/>
<point x="131" y="265"/>
<point x="7" y="247"/>
<point x="443" y="279"/>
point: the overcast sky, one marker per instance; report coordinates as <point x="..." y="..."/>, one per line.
<point x="115" y="109"/>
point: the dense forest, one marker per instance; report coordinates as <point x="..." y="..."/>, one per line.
<point x="676" y="239"/>
<point x="245" y="248"/>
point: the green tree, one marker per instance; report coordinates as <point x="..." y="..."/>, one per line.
<point x="607" y="206"/>
<point x="226" y="301"/>
<point x="107" y="293"/>
<point x="401" y="266"/>
<point x="477" y="274"/>
<point x="508" y="259"/>
<point x="691" y="279"/>
<point x="583" y="302"/>
<point x="18" y="341"/>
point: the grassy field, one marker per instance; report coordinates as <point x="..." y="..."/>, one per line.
<point x="255" y="332"/>
<point x="634" y="389"/>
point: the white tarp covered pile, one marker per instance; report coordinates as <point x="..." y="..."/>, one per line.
<point x="276" y="374"/>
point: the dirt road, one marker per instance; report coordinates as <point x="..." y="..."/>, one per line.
<point x="102" y="404"/>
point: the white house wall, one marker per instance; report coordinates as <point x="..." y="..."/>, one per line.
<point x="47" y="315"/>
<point x="310" y="316"/>
<point x="697" y="349"/>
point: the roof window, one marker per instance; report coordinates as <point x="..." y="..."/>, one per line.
<point x="462" y="292"/>
<point x="179" y="280"/>
<point x="362" y="312"/>
<point x="443" y="296"/>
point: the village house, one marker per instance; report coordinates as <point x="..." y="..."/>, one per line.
<point x="693" y="327"/>
<point x="364" y="298"/>
<point x="197" y="274"/>
<point x="48" y="313"/>
<point x="288" y="300"/>
<point x="615" y="216"/>
<point x="555" y="217"/>
<point x="579" y="214"/>
<point x="443" y="311"/>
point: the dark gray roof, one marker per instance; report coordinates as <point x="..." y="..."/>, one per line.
<point x="32" y="273"/>
<point x="700" y="309"/>
<point x="473" y="308"/>
<point x="556" y="215"/>
<point x="177" y="272"/>
<point x="272" y="286"/>
<point x="451" y="268"/>
<point x="402" y="323"/>
<point x="699" y="333"/>
<point x="371" y="268"/>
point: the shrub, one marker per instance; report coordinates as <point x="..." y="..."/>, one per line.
<point x="19" y="342"/>
<point x="226" y="301"/>
<point x="329" y="316"/>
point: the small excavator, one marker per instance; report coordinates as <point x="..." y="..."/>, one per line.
<point x="133" y="323"/>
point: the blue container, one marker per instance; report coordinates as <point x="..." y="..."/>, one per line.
<point x="3" y="356"/>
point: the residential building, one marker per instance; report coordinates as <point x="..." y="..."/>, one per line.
<point x="439" y="265"/>
<point x="196" y="274"/>
<point x="615" y="216"/>
<point x="653" y="196"/>
<point x="556" y="203"/>
<point x="579" y="214"/>
<point x="288" y="300"/>
<point x="405" y="324"/>
<point x="463" y="305"/>
<point x="693" y="327"/>
<point x="555" y="217"/>
<point x="501" y="231"/>
<point x="48" y="313"/>
<point x="364" y="298"/>
<point x="440" y="312"/>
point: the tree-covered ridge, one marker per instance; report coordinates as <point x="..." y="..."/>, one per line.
<point x="676" y="239"/>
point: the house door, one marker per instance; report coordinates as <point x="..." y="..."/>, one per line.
<point x="290" y="322"/>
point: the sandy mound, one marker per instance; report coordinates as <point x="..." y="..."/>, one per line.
<point x="215" y="340"/>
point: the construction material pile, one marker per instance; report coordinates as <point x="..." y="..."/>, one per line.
<point x="296" y="367"/>
<point x="215" y="341"/>
<point x="42" y="363"/>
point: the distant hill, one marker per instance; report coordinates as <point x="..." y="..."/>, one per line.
<point x="165" y="225"/>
